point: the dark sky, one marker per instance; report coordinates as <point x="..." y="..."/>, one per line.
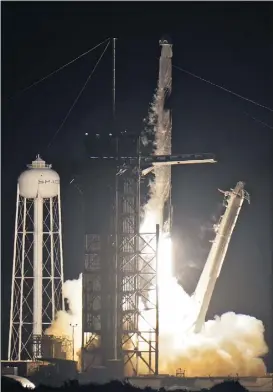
<point x="227" y="43"/>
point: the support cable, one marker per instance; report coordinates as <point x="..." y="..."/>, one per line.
<point x="259" y="121"/>
<point x="223" y="88"/>
<point x="78" y="96"/>
<point x="59" y="69"/>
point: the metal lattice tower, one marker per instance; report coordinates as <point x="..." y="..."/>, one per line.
<point x="91" y="298"/>
<point x="120" y="273"/>
<point x="37" y="274"/>
<point x="126" y="273"/>
<point x="116" y="284"/>
<point x="137" y="336"/>
<point x="93" y="303"/>
<point x="98" y="269"/>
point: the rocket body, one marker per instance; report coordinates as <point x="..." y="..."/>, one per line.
<point x="163" y="137"/>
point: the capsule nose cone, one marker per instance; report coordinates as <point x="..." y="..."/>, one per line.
<point x="165" y="40"/>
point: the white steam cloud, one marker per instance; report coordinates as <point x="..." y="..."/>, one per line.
<point x="230" y="344"/>
<point x="61" y="327"/>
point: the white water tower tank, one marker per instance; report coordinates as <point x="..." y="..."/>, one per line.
<point x="39" y="180"/>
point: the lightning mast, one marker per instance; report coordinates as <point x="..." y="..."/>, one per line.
<point x="233" y="202"/>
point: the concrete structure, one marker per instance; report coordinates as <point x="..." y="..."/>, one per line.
<point x="252" y="384"/>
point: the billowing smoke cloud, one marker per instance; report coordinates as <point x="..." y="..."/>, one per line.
<point x="228" y="345"/>
<point x="61" y="327"/>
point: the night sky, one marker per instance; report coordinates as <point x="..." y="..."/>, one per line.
<point x="229" y="44"/>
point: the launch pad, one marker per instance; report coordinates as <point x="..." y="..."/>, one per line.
<point x="120" y="268"/>
<point x="172" y="383"/>
<point x="120" y="289"/>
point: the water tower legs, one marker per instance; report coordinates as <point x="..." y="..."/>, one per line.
<point x="38" y="266"/>
<point x="37" y="275"/>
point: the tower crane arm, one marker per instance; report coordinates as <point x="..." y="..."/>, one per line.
<point x="149" y="163"/>
<point x="178" y="162"/>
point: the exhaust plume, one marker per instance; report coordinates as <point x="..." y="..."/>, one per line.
<point x="228" y="345"/>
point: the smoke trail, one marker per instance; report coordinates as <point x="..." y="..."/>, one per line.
<point x="158" y="129"/>
<point x="61" y="326"/>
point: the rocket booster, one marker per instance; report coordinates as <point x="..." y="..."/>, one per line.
<point x="163" y="134"/>
<point x="233" y="202"/>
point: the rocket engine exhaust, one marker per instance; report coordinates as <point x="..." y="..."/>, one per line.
<point x="230" y="344"/>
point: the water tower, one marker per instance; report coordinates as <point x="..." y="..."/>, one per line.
<point x="37" y="274"/>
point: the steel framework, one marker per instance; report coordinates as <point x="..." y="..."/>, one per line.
<point x="50" y="346"/>
<point x="23" y="275"/>
<point x="119" y="287"/>
<point x="92" y="303"/>
<point x="136" y="334"/>
<point x="131" y="260"/>
<point x="120" y="301"/>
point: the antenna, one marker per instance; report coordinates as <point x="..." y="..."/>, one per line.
<point x="114" y="79"/>
<point x="114" y="94"/>
<point x="116" y="266"/>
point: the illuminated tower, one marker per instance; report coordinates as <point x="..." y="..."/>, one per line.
<point x="37" y="273"/>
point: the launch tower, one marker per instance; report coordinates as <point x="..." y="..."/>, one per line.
<point x="37" y="273"/>
<point x="120" y="321"/>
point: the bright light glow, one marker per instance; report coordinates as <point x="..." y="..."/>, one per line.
<point x="228" y="345"/>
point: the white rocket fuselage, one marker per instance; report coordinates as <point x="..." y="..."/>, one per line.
<point x="163" y="136"/>
<point x="204" y="290"/>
